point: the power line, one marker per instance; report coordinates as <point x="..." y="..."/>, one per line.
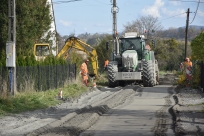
<point x="173" y="16"/>
<point x="94" y="4"/>
<point x="60" y="2"/>
<point x="187" y="1"/>
<point x="102" y="2"/>
<point x="196" y="11"/>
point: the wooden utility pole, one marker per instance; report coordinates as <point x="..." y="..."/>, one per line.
<point x="115" y="33"/>
<point x="186" y="35"/>
<point x="114" y="11"/>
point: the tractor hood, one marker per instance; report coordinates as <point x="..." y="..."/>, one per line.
<point x="130" y="60"/>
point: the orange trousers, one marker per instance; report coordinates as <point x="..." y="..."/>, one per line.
<point x="85" y="79"/>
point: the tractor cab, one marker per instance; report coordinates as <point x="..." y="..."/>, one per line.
<point x="135" y="44"/>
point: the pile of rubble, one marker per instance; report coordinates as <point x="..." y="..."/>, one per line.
<point x="189" y="112"/>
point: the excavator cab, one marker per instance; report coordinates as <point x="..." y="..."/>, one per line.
<point x="41" y="51"/>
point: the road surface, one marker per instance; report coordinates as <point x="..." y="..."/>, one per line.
<point x="144" y="113"/>
<point x="129" y="110"/>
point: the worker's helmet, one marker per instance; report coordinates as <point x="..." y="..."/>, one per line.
<point x="187" y="59"/>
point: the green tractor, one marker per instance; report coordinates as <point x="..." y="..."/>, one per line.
<point x="132" y="62"/>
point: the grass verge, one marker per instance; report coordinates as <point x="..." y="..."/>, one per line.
<point x="29" y="101"/>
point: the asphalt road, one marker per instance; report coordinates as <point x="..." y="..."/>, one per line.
<point x="144" y="113"/>
<point x="130" y="110"/>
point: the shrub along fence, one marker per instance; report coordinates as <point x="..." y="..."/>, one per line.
<point x="197" y="74"/>
<point x="38" y="78"/>
<point x="202" y="75"/>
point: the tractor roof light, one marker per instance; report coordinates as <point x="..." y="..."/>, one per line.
<point x="142" y="36"/>
<point x="131" y="34"/>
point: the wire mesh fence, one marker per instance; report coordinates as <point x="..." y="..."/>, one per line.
<point x="38" y="78"/>
<point x="202" y="75"/>
<point x="4" y="78"/>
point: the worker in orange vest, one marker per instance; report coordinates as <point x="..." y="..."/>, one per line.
<point x="186" y="66"/>
<point x="84" y="72"/>
<point x="188" y="62"/>
<point x="106" y="64"/>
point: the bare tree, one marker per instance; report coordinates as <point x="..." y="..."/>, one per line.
<point x="148" y="24"/>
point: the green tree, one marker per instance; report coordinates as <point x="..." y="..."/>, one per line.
<point x="102" y="52"/>
<point x="3" y="25"/>
<point x="197" y="46"/>
<point x="197" y="55"/>
<point x="75" y="58"/>
<point x="32" y="22"/>
<point x="168" y="54"/>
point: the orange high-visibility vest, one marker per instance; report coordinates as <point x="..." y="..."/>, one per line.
<point x="106" y="63"/>
<point x="84" y="69"/>
<point x="188" y="63"/>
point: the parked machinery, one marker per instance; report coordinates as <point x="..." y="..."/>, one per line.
<point x="42" y="50"/>
<point x="76" y="43"/>
<point x="132" y="62"/>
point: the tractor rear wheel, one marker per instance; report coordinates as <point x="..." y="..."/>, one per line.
<point x="112" y="69"/>
<point x="148" y="74"/>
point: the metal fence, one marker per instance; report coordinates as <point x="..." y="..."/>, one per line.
<point x="38" y="78"/>
<point x="202" y="75"/>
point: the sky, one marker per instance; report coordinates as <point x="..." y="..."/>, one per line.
<point x="94" y="16"/>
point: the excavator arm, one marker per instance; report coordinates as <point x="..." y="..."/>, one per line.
<point x="76" y="43"/>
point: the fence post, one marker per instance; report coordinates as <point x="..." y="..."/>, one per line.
<point x="2" y="82"/>
<point x="75" y="71"/>
<point x="202" y="75"/>
<point x="48" y="77"/>
<point x="69" y="73"/>
<point x="56" y="77"/>
<point x="38" y="78"/>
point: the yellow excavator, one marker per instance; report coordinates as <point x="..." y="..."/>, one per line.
<point x="70" y="43"/>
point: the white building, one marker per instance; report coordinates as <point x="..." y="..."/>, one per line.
<point x="52" y="29"/>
